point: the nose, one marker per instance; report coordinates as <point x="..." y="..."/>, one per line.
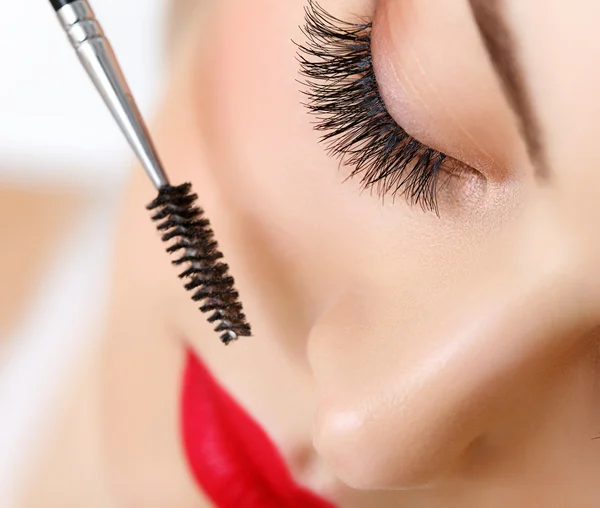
<point x="410" y="382"/>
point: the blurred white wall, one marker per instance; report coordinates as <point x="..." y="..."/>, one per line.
<point x="54" y="129"/>
<point x="52" y="123"/>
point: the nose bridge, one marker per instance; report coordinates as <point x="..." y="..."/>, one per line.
<point x="431" y="387"/>
<point x="560" y="238"/>
<point x="578" y="203"/>
<point x="550" y="252"/>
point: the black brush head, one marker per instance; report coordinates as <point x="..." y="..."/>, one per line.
<point x="182" y="221"/>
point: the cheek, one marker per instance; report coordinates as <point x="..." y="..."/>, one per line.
<point x="310" y="236"/>
<point x="258" y="139"/>
<point x="269" y="165"/>
<point x="266" y="156"/>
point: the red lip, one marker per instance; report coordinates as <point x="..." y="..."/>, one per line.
<point x="230" y="455"/>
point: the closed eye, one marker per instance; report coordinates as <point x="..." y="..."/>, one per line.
<point x="342" y="92"/>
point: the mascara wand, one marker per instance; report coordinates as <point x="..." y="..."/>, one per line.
<point x="178" y="218"/>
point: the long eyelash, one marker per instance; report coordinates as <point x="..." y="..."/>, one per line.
<point x="342" y="92"/>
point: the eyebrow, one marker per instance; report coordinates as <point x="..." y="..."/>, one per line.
<point x="501" y="47"/>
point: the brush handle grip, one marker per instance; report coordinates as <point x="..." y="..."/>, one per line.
<point x="58" y="4"/>
<point x="98" y="59"/>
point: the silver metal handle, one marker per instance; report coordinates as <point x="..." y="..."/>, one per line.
<point x="99" y="60"/>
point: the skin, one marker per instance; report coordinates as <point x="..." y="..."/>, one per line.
<point x="421" y="361"/>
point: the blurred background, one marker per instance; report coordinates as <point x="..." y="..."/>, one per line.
<point x="62" y="165"/>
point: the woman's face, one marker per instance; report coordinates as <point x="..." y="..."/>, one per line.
<point x="450" y="357"/>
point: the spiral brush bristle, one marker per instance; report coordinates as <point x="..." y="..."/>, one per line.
<point x="181" y="220"/>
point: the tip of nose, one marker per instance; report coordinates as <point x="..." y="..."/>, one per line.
<point x="366" y="456"/>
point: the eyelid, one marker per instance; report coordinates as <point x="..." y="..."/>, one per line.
<point x="342" y="91"/>
<point x="436" y="78"/>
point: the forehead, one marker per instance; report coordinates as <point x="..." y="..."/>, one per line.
<point x="557" y="48"/>
<point x="557" y="51"/>
<point x="444" y="88"/>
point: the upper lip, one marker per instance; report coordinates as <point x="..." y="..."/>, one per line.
<point x="229" y="454"/>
